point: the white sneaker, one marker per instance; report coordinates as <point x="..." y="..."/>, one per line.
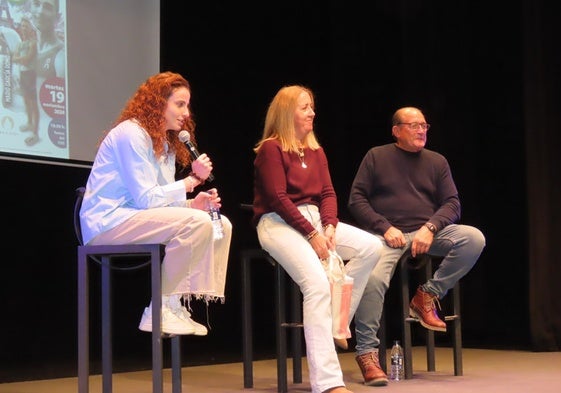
<point x="200" y="330"/>
<point x="176" y="307"/>
<point x="171" y="323"/>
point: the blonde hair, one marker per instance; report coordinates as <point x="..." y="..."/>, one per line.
<point x="279" y="122"/>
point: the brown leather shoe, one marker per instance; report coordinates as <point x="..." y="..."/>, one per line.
<point x="371" y="371"/>
<point x="422" y="307"/>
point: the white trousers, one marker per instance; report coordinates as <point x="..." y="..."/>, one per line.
<point x="194" y="264"/>
<point x="295" y="254"/>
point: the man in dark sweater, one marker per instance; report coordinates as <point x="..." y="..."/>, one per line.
<point x="405" y="195"/>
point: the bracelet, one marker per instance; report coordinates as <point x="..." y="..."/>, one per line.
<point x="311" y="235"/>
<point x="197" y="177"/>
<point x="191" y="184"/>
<point x="328" y="226"/>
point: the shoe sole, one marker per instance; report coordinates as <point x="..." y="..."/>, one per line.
<point x="174" y="333"/>
<point x="169" y="332"/>
<point x="164" y="335"/>
<point x="147" y="327"/>
<point x="413" y="313"/>
<point x="377" y="382"/>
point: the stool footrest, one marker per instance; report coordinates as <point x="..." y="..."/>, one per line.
<point x="446" y="318"/>
<point x="292" y="325"/>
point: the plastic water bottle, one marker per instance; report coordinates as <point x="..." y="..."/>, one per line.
<point x="396" y="362"/>
<point x="218" y="229"/>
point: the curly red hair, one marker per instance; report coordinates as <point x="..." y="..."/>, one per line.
<point x="147" y="107"/>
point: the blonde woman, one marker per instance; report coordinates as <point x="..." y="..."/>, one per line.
<point x="295" y="212"/>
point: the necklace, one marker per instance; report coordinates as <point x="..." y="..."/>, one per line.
<point x="301" y="157"/>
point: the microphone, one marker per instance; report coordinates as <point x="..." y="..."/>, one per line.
<point x="185" y="137"/>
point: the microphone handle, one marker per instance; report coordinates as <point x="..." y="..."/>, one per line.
<point x="194" y="155"/>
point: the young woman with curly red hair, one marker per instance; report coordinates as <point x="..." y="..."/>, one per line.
<point x="132" y="196"/>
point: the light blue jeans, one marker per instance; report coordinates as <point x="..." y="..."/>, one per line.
<point x="295" y="254"/>
<point x="460" y="245"/>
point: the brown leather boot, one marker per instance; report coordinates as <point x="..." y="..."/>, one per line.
<point x="371" y="371"/>
<point x="422" y="307"/>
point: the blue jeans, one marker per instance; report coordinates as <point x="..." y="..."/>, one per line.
<point x="460" y="245"/>
<point x="295" y="254"/>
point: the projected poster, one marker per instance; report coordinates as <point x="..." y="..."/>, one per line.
<point x="33" y="110"/>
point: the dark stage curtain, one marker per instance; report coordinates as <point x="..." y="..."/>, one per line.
<point x="543" y="141"/>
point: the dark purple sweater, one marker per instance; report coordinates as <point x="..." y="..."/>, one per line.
<point x="281" y="184"/>
<point x="394" y="187"/>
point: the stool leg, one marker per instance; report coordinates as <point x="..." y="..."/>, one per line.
<point x="297" y="323"/>
<point x="176" y="364"/>
<point x="246" y="322"/>
<point x="431" y="364"/>
<point x="457" y="332"/>
<point x="280" y="312"/>
<point x="83" y="323"/>
<point x="406" y="321"/>
<point x="106" y="317"/>
<point x="157" y="361"/>
<point x="382" y="347"/>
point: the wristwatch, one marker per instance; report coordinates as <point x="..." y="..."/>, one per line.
<point x="431" y="227"/>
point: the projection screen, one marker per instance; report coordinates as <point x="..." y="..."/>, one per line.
<point x="90" y="57"/>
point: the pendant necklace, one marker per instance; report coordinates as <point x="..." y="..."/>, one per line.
<point x="301" y="157"/>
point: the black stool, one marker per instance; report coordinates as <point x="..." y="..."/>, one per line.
<point x="281" y="324"/>
<point x="280" y="321"/>
<point x="424" y="262"/>
<point x="152" y="256"/>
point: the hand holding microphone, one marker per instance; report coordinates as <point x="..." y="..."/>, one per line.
<point x="185" y="137"/>
<point x="213" y="200"/>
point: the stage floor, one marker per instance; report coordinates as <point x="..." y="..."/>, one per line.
<point x="484" y="371"/>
